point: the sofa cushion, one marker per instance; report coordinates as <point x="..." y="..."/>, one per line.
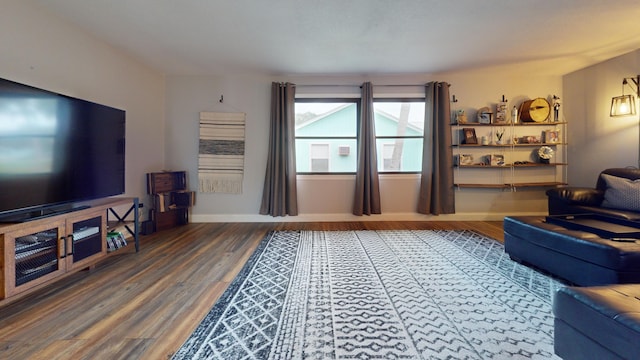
<point x="598" y="210"/>
<point x="621" y="193"/>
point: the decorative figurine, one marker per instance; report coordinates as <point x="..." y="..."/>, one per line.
<point x="461" y="117"/>
<point x="556" y="108"/>
<point x="545" y="154"/>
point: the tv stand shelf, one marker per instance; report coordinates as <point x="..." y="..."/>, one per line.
<point x="37" y="252"/>
<point x="121" y="220"/>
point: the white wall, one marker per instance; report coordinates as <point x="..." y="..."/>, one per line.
<point x="328" y="198"/>
<point x="162" y="118"/>
<point x="598" y="141"/>
<point x="187" y="96"/>
<point x="41" y="50"/>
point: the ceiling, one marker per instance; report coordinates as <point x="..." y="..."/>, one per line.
<point x="202" y="37"/>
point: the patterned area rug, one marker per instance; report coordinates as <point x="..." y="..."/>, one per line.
<point x="379" y="295"/>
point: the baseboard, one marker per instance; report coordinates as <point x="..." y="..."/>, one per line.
<point x="216" y="218"/>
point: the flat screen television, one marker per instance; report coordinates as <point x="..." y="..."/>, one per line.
<point x="56" y="151"/>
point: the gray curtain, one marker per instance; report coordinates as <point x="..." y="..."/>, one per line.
<point x="367" y="197"/>
<point x="279" y="196"/>
<point x="437" y="194"/>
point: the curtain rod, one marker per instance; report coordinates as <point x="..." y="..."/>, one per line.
<point x="358" y="85"/>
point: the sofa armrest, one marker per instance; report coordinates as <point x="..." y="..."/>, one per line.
<point x="577" y="196"/>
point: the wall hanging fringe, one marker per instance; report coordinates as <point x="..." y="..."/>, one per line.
<point x="221" y="152"/>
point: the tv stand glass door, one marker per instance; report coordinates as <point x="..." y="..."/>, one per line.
<point x="85" y="239"/>
<point x="34" y="257"/>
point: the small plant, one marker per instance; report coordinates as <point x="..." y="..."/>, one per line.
<point x="499" y="134"/>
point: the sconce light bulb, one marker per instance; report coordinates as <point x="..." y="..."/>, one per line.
<point x="624" y="108"/>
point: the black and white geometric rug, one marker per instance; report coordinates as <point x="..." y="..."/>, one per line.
<point x="379" y="295"/>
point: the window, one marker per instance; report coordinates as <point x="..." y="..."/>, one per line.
<point x="399" y="134"/>
<point x="326" y="135"/>
<point x="324" y="130"/>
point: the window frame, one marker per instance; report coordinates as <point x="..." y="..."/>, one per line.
<point x="353" y="100"/>
<point x="358" y="102"/>
<point x="394" y="137"/>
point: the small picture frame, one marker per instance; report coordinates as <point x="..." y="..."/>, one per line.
<point x="469" y="136"/>
<point x="501" y="113"/>
<point x="465" y="159"/>
<point x="551" y="137"/>
<point x="485" y="118"/>
<point x="496" y="160"/>
<point x="531" y="139"/>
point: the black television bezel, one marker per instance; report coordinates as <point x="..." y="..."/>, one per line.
<point x="47" y="209"/>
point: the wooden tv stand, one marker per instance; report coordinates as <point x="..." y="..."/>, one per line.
<point x="39" y="251"/>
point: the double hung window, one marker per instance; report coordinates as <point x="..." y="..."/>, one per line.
<point x="399" y="134"/>
<point x="326" y="135"/>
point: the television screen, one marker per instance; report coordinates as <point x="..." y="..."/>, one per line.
<point x="55" y="149"/>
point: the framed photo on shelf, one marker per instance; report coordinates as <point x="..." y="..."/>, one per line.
<point x="531" y="139"/>
<point x="469" y="136"/>
<point x="485" y="116"/>
<point x="464" y="159"/>
<point x="496" y="160"/>
<point x="501" y="113"/>
<point x="551" y="136"/>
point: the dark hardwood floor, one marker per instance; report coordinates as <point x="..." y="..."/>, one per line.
<point x="144" y="305"/>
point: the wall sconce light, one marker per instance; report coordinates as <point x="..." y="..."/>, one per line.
<point x="626" y="104"/>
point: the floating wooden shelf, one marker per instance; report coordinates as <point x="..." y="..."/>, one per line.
<point x="485" y="186"/>
<point x="508" y="166"/>
<point x="514" y="185"/>
<point x="538" y="184"/>
<point x="513" y="174"/>
<point x="510" y="124"/>
<point x="508" y="145"/>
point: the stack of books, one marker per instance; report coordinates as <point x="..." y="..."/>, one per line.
<point x="115" y="240"/>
